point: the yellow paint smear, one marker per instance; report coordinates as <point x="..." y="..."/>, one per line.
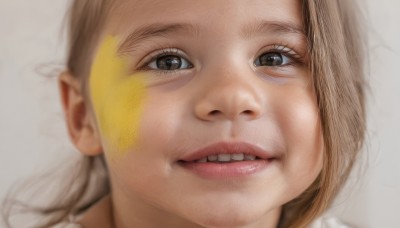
<point x="117" y="97"/>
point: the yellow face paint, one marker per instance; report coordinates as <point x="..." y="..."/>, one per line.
<point x="117" y="97"/>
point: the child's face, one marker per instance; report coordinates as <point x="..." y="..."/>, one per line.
<point x="226" y="72"/>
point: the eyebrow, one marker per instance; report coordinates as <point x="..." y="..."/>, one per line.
<point x="162" y="30"/>
<point x="273" y="27"/>
<point x="155" y="30"/>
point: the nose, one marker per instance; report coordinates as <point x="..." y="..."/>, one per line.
<point x="229" y="98"/>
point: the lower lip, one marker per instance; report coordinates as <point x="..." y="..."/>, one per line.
<point x="210" y="170"/>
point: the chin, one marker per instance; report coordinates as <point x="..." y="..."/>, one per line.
<point x="228" y="215"/>
<point x="227" y="220"/>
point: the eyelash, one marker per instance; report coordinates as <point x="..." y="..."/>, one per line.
<point x="282" y="49"/>
<point x="162" y="53"/>
<point x="287" y="51"/>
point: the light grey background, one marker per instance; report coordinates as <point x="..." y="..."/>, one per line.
<point x="33" y="135"/>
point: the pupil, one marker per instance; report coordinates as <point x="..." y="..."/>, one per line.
<point x="271" y="59"/>
<point x="169" y="62"/>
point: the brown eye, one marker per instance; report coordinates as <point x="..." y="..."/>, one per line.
<point x="272" y="59"/>
<point x="169" y="63"/>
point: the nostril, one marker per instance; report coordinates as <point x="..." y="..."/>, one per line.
<point x="214" y="112"/>
<point x="248" y="112"/>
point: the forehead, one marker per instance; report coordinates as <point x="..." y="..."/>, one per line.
<point x="210" y="15"/>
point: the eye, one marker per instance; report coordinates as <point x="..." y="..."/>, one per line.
<point x="272" y="59"/>
<point x="169" y="63"/>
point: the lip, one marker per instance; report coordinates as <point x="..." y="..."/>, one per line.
<point x="228" y="170"/>
<point x="228" y="148"/>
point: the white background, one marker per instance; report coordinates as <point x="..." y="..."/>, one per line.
<point x="32" y="132"/>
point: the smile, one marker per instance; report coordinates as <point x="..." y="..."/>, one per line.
<point x="228" y="160"/>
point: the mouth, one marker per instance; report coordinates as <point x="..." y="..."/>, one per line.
<point x="228" y="160"/>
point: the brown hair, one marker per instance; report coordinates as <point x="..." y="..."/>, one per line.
<point x="336" y="54"/>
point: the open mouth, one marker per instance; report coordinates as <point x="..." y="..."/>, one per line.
<point x="226" y="158"/>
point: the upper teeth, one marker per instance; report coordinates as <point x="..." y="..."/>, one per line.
<point x="227" y="158"/>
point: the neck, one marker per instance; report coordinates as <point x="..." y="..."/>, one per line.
<point x="99" y="215"/>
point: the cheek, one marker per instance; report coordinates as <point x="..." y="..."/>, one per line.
<point x="118" y="98"/>
<point x="300" y="125"/>
<point x="120" y="114"/>
<point x="161" y="125"/>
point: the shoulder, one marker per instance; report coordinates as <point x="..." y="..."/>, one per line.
<point x="329" y="222"/>
<point x="71" y="223"/>
<point x="97" y="216"/>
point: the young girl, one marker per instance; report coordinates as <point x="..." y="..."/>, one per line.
<point x="210" y="113"/>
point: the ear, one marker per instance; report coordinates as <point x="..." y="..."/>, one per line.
<point x="80" y="123"/>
